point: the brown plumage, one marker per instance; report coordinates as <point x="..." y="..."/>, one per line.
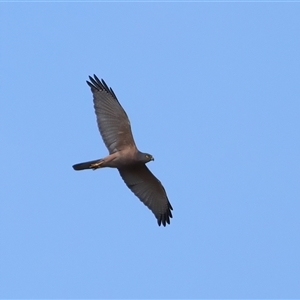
<point x="116" y="132"/>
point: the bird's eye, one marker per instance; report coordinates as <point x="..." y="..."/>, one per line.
<point x="147" y="156"/>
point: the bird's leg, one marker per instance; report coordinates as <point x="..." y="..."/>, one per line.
<point x="97" y="165"/>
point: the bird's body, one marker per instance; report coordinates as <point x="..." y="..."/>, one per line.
<point x="116" y="132"/>
<point x="119" y="159"/>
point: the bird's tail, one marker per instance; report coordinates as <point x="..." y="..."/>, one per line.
<point x="93" y="164"/>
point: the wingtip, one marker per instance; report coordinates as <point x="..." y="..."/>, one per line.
<point x="99" y="85"/>
<point x="96" y="78"/>
<point x="165" y="218"/>
<point x="163" y="222"/>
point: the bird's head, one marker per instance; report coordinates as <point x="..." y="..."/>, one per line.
<point x="145" y="157"/>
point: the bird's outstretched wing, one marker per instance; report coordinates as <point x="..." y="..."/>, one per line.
<point x="112" y="119"/>
<point x="149" y="190"/>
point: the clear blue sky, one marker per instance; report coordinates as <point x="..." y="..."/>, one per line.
<point x="213" y="93"/>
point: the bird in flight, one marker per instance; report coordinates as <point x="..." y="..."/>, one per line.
<point x="115" y="129"/>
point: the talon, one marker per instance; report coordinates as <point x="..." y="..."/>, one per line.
<point x="96" y="165"/>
